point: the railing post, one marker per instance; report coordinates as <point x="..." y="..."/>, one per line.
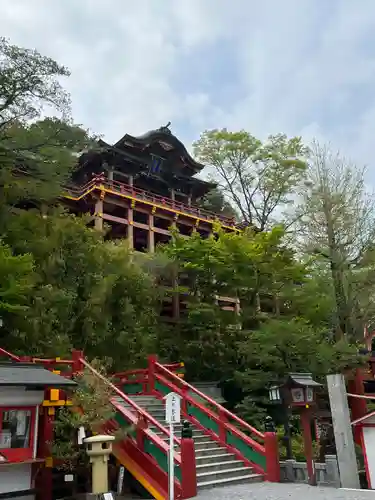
<point x="272" y="457"/>
<point x="188" y="465"/>
<point x="152" y="359"/>
<point x="140" y="436"/>
<point x="271" y="446"/>
<point x="77" y="366"/>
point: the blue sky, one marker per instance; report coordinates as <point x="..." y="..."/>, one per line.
<point x="303" y="67"/>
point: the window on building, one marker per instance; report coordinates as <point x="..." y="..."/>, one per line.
<point x="15" y="428"/>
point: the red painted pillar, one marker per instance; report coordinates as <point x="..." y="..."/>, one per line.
<point x="77" y="365"/>
<point x="272" y="457"/>
<point x="152" y="359"/>
<point x="306" y="427"/>
<point x="358" y="406"/>
<point x="188" y="468"/>
<point x="44" y="478"/>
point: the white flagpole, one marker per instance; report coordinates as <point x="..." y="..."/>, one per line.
<point x="171" y="461"/>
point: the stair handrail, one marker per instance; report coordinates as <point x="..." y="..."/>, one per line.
<point x="128" y="400"/>
<point x="162" y="445"/>
<point x="9" y="355"/>
<point x="211" y="401"/>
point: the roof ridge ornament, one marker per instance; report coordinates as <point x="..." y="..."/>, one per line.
<point x="165" y="128"/>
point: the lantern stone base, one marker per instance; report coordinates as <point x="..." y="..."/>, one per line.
<point x="327" y="474"/>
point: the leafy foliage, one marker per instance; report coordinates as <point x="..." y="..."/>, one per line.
<point x="91" y="407"/>
<point x="258" y="178"/>
<point x="88" y="294"/>
<point x="28" y="83"/>
<point x="215" y="202"/>
<point x="337" y="224"/>
<point x="16" y="280"/>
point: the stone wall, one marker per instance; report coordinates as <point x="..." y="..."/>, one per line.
<point x="327" y="474"/>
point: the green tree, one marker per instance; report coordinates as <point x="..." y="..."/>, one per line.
<point x="282" y="346"/>
<point x="37" y="160"/>
<point x="89" y="294"/>
<point x="16" y="281"/>
<point x="259" y="179"/>
<point x="28" y="83"/>
<point x="37" y="155"/>
<point x="86" y="293"/>
<point x="93" y="396"/>
<point x="338" y="224"/>
<point x="215" y="201"/>
<point x="244" y="266"/>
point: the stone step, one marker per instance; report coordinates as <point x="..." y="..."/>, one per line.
<point x="212" y="450"/>
<point x="220" y="465"/>
<point x="157" y="414"/>
<point x="202" y="445"/>
<point x="241" y="479"/>
<point x="216" y="466"/>
<point x="196" y="433"/>
<point x="142" y="401"/>
<point x="225" y="473"/>
<point x="142" y="404"/>
<point x="214" y="457"/>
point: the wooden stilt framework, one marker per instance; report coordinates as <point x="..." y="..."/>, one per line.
<point x="141" y="188"/>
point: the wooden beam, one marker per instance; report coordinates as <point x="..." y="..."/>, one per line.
<point x="99" y="215"/>
<point x="151" y="234"/>
<point x="130" y="228"/>
<point x="113" y="218"/>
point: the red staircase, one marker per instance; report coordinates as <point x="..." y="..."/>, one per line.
<point x="252" y="454"/>
<point x="224" y="448"/>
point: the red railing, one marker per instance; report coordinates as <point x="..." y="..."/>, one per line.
<point x="50" y="363"/>
<point x="140" y="419"/>
<point x="263" y="443"/>
<point x="142" y="195"/>
<point x="140" y="376"/>
<point x="137" y="409"/>
<point x="9" y="355"/>
<point x="222" y="416"/>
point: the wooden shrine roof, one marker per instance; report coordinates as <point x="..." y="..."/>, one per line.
<point x="30" y="375"/>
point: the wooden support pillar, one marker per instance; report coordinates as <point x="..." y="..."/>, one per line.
<point x="44" y="479"/>
<point x="151" y="234"/>
<point x="130" y="228"/>
<point x="237" y="307"/>
<point x="99" y="215"/>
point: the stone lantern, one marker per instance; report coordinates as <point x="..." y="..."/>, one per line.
<point x="98" y="448"/>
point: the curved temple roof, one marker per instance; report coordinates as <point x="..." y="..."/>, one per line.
<point x="166" y="139"/>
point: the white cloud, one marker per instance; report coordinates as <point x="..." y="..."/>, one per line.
<point x="302" y="66"/>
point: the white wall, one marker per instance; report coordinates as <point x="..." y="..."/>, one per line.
<point x="18" y="396"/>
<point x="369" y="441"/>
<point x="15" y="477"/>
